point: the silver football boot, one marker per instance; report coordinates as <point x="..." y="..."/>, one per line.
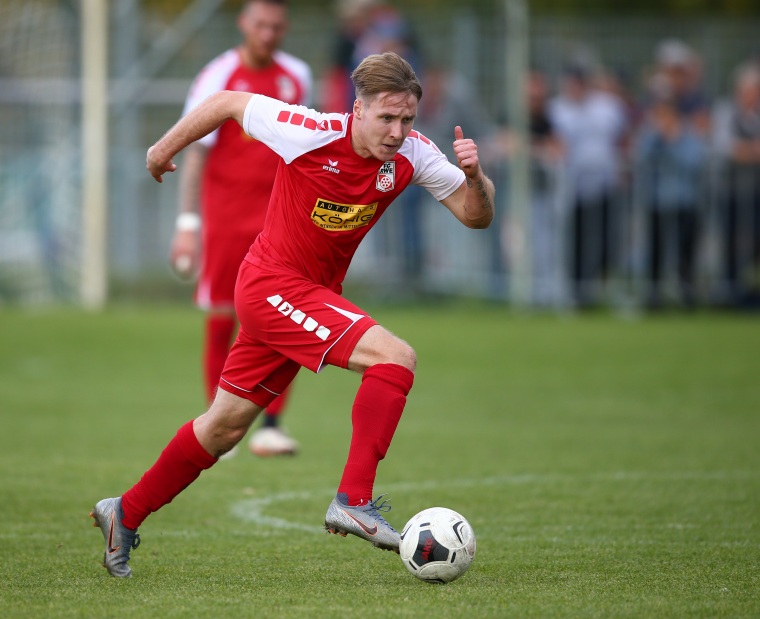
<point x="119" y="539"/>
<point x="363" y="521"/>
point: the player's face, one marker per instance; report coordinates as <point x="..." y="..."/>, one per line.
<point x="263" y="26"/>
<point x="381" y="125"/>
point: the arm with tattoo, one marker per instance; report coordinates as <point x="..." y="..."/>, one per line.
<point x="479" y="192"/>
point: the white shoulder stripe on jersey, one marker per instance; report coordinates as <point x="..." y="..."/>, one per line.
<point x="212" y="78"/>
<point x="432" y="170"/>
<point x="300" y="71"/>
<point x="291" y="130"/>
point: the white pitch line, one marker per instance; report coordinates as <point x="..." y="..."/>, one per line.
<point x="252" y="510"/>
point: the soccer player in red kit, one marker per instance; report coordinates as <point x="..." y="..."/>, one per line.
<point x="338" y="174"/>
<point x="226" y="176"/>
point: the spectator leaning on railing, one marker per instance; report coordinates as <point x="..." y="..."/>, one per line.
<point x="737" y="141"/>
<point x="590" y="125"/>
<point x="670" y="156"/>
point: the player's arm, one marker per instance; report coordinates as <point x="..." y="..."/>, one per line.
<point x="200" y="121"/>
<point x="472" y="202"/>
<point x="185" y="247"/>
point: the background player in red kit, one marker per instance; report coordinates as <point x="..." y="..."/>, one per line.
<point x="227" y="177"/>
<point x="338" y="174"/>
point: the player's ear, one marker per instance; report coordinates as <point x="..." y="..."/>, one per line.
<point x="357" y="108"/>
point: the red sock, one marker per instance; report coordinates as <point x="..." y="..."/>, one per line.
<point x="220" y="329"/>
<point x="180" y="464"/>
<point x="376" y="412"/>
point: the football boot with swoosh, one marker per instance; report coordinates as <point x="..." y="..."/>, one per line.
<point x="119" y="539"/>
<point x="364" y="521"/>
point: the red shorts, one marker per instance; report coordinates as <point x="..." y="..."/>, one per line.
<point x="220" y="262"/>
<point x="286" y="322"/>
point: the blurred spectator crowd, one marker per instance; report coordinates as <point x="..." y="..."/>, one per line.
<point x="649" y="183"/>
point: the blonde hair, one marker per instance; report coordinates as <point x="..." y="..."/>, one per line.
<point x="386" y="72"/>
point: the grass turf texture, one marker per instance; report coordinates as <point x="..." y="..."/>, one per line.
<point x="609" y="468"/>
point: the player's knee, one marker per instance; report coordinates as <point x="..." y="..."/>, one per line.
<point x="225" y="424"/>
<point x="233" y="435"/>
<point x="223" y="436"/>
<point x="380" y="346"/>
<point x="407" y="357"/>
<point x="400" y="354"/>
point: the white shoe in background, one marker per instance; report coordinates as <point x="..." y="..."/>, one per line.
<point x="266" y="442"/>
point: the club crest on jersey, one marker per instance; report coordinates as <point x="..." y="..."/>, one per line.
<point x="340" y="217"/>
<point x="286" y="89"/>
<point x="241" y="85"/>
<point x="386" y="176"/>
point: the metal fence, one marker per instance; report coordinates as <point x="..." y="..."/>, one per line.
<point x="626" y="254"/>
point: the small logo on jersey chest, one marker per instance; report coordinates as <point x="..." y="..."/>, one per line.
<point x="241" y="85"/>
<point x="286" y="89"/>
<point x="331" y="167"/>
<point x="386" y="176"/>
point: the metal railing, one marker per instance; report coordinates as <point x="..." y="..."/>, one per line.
<point x="611" y="255"/>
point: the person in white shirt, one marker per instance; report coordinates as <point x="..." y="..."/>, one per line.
<point x="591" y="125"/>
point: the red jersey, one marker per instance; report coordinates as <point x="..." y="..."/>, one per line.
<point x="239" y="171"/>
<point x="326" y="197"/>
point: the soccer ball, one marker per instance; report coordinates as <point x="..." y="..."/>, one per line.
<point x="437" y="545"/>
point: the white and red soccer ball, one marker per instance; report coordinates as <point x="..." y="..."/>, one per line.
<point x="437" y="545"/>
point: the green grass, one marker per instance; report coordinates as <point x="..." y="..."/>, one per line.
<point x="609" y="468"/>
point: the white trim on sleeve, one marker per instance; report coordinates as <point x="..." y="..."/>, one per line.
<point x="212" y="79"/>
<point x="291" y="130"/>
<point x="432" y="170"/>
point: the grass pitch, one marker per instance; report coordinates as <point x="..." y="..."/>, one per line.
<point x="609" y="468"/>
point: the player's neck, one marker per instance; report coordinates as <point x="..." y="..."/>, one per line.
<point x="357" y="144"/>
<point x="252" y="61"/>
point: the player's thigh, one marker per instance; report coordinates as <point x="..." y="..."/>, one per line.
<point x="256" y="372"/>
<point x="378" y="345"/>
<point x="305" y="322"/>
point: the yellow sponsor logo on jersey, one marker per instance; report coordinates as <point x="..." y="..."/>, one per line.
<point x="337" y="217"/>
